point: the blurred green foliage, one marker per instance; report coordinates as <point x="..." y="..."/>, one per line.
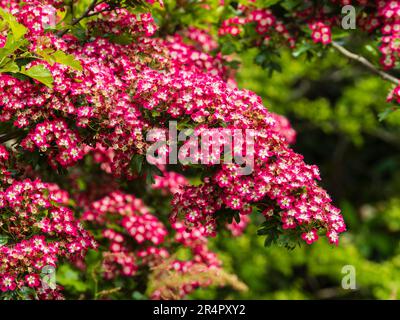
<point x="334" y="106"/>
<point x="330" y="93"/>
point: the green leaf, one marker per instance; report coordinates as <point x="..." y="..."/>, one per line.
<point x="67" y="60"/>
<point x="266" y="3"/>
<point x="28" y="293"/>
<point x="228" y="48"/>
<point x="136" y="295"/>
<point x="271" y="236"/>
<point x="262" y="232"/>
<point x="140" y="7"/>
<point x="302" y="48"/>
<point x="79" y="32"/>
<point x="123" y="39"/>
<point x="268" y="241"/>
<point x="287" y="241"/>
<point x="260" y="58"/>
<point x="18" y="29"/>
<point x="3" y="240"/>
<point x="39" y="73"/>
<point x="383" y="115"/>
<point x="11" y="46"/>
<point x="372" y="50"/>
<point x="69" y="277"/>
<point x="289" y="5"/>
<point x="151" y="171"/>
<point x="234" y="64"/>
<point x="236" y="216"/>
<point x="61" y="58"/>
<point x="137" y="163"/>
<point x="10" y="67"/>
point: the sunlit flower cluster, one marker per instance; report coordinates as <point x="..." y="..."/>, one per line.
<point x="170" y="182"/>
<point x="39" y="230"/>
<point x="265" y="22"/>
<point x="320" y="33"/>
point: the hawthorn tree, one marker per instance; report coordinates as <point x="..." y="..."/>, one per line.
<point x="84" y="83"/>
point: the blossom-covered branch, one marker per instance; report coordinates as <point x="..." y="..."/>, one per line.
<point x="365" y="62"/>
<point x="86" y="14"/>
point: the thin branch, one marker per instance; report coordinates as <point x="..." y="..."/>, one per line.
<point x="386" y="136"/>
<point x="366" y="63"/>
<point x="98" y="12"/>
<point x="9" y="136"/>
<point x="71" y="8"/>
<point x="328" y="293"/>
<point x="84" y="15"/>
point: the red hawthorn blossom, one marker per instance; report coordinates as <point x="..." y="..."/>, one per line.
<point x="40" y="227"/>
<point x="265" y="22"/>
<point x="106" y="110"/>
<point x="7" y="283"/>
<point x="32" y="280"/>
<point x="126" y="258"/>
<point x="310" y="236"/>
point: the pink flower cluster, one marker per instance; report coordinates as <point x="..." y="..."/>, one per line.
<point x="37" y="16"/>
<point x="280" y="182"/>
<point x="149" y="246"/>
<point x="320" y="33"/>
<point x="144" y="227"/>
<point x="133" y="216"/>
<point x="83" y="96"/>
<point x="184" y="57"/>
<point x="121" y="20"/>
<point x="382" y="16"/>
<point x="49" y="134"/>
<point x="202" y="38"/>
<point x="389" y="15"/>
<point x="237" y="228"/>
<point x="4" y="173"/>
<point x="118" y="260"/>
<point x="39" y="230"/>
<point x="265" y="22"/>
<point x="283" y="126"/>
<point x="170" y="182"/>
<point x="394" y="95"/>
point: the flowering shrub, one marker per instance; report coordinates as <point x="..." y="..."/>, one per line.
<point x="80" y="94"/>
<point x="37" y="230"/>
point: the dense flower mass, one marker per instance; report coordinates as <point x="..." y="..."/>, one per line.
<point x="125" y="90"/>
<point x="39" y="229"/>
<point x="141" y="243"/>
<point x="266" y="24"/>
